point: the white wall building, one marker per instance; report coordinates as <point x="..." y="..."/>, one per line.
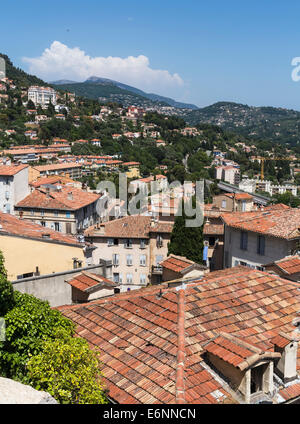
<point x="42" y="95"/>
<point x="14" y="186"/>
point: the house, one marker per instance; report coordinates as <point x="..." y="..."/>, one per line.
<point x="87" y="286"/>
<point x="230" y="337"/>
<point x="30" y="249"/>
<point x="160" y="143"/>
<point x="68" y="169"/>
<point x="65" y="209"/>
<point x="135" y="244"/>
<point x="178" y="267"/>
<point x="96" y="142"/>
<point x="13" y="186"/>
<point x="241" y="202"/>
<point x="133" y="169"/>
<point x="260" y="237"/>
<point x="288" y="267"/>
<point x="55" y="180"/>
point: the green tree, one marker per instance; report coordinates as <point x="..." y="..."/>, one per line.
<point x="28" y="324"/>
<point x="186" y="241"/>
<point x="69" y="370"/>
<point x="287" y="198"/>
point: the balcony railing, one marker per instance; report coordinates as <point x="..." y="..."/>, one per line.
<point x="157" y="269"/>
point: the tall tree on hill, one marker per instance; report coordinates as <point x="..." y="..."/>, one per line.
<point x="186" y="241"/>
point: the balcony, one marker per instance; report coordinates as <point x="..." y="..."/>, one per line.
<point x="157" y="269"/>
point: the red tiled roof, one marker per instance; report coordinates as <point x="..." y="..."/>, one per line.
<point x="133" y="226"/>
<point x="57" y="166"/>
<point x="215" y="229"/>
<point x="289" y="265"/>
<point x="52" y="179"/>
<point x="19" y="227"/>
<point x="283" y="223"/>
<point x="281" y="340"/>
<point x="176" y="263"/>
<point x="67" y="198"/>
<point x="8" y="170"/>
<point x="87" y="281"/>
<point x="153" y="353"/>
<point x="237" y="352"/>
<point x="240" y="196"/>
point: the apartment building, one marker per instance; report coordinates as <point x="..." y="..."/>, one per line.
<point x="13" y="186"/>
<point x="260" y="237"/>
<point x="30" y="249"/>
<point x="65" y="209"/>
<point x="42" y="95"/>
<point x="135" y="244"/>
<point x="68" y="169"/>
<point x="230" y="174"/>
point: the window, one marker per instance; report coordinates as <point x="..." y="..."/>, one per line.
<point x="7" y="208"/>
<point x="129" y="278"/>
<point x="129" y="260"/>
<point x="128" y="243"/>
<point x="116" y="277"/>
<point x="43" y="223"/>
<point x="261" y="245"/>
<point x="110" y="242"/>
<point x="159" y="241"/>
<point x="55" y="213"/>
<point x="42" y="213"/>
<point x="224" y="204"/>
<point x="32" y="212"/>
<point x="56" y="226"/>
<point x="158" y="259"/>
<point x="244" y="240"/>
<point x="143" y="244"/>
<point x="115" y="259"/>
<point x="142" y="278"/>
<point x="68" y="214"/>
<point x="143" y="260"/>
<point x="243" y="205"/>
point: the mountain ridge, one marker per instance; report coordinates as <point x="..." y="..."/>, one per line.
<point x="109" y="82"/>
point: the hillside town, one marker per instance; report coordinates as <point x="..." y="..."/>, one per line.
<point x="206" y="315"/>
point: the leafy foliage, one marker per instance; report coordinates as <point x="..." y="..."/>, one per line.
<point x="69" y="370"/>
<point x="30" y="322"/>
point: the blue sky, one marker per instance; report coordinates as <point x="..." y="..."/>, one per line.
<point x="193" y="50"/>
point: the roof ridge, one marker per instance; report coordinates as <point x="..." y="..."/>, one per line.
<point x="179" y="385"/>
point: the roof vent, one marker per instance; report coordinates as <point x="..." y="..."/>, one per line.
<point x="70" y="196"/>
<point x="45" y="235"/>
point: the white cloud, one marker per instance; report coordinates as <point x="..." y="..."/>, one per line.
<point x="61" y="62"/>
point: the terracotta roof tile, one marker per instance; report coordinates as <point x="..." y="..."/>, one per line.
<point x="22" y="228"/>
<point x="149" y="365"/>
<point x="282" y="223"/>
<point x="66" y="198"/>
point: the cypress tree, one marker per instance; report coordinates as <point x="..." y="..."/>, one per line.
<point x="186" y="241"/>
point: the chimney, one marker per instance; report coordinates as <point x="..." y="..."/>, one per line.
<point x="286" y="367"/>
<point x="70" y="196"/>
